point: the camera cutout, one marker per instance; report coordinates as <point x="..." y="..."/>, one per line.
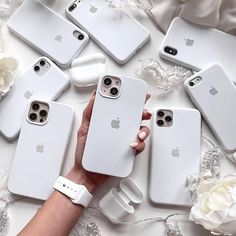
<point x="110" y="87"/>
<point x="74" y="5"/>
<point x="171" y="51"/>
<point x="42" y="66"/>
<point x="38" y="113"/>
<point x="193" y="82"/>
<point x="78" y="35"/>
<point x="164" y="118"/>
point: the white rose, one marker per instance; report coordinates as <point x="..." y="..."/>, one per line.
<point x="8" y="67"/>
<point x="215" y="208"/>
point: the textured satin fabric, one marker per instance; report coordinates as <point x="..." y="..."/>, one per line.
<point x="219" y="14"/>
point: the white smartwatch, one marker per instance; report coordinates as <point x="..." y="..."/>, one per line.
<point x="77" y="193"/>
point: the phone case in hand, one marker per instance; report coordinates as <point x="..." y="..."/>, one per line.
<point x="48" y="83"/>
<point x="40" y="152"/>
<point x="114" y="125"/>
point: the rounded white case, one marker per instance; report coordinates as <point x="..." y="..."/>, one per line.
<point x="168" y="172"/>
<point x="48" y="32"/>
<point x="107" y="149"/>
<point x="29" y="86"/>
<point x="40" y="152"/>
<point x="199" y="46"/>
<point x="116" y="32"/>
<point x="215" y="97"/>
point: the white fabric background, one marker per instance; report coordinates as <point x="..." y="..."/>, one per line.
<point x="219" y="14"/>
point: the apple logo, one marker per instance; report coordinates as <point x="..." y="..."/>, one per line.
<point x="58" y="38"/>
<point x="115" y="124"/>
<point x="93" y="9"/>
<point x="175" y="152"/>
<point x="213" y="91"/>
<point x="40" y="148"/>
<point x="189" y="42"/>
<point x="28" y="94"/>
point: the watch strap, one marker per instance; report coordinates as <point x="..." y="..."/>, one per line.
<point x="76" y="192"/>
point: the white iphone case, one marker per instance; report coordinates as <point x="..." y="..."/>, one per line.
<point x="175" y="154"/>
<point x="48" y="32"/>
<point x="119" y="34"/>
<point x="215" y="97"/>
<point x="107" y="149"/>
<point x="40" y="152"/>
<point x="199" y="47"/>
<point x="30" y="85"/>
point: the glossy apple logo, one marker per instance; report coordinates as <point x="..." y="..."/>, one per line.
<point x="189" y="42"/>
<point x="213" y="91"/>
<point x="93" y="9"/>
<point x="40" y="148"/>
<point x="58" y="38"/>
<point x="28" y="94"/>
<point x="115" y="124"/>
<point x="175" y="152"/>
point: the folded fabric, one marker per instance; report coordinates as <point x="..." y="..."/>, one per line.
<point x="219" y="14"/>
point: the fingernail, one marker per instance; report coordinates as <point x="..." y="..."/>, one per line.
<point x="142" y="135"/>
<point x="134" y="144"/>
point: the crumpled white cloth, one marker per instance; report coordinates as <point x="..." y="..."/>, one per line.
<point x="220" y="14"/>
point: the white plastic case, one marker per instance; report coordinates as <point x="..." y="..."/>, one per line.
<point x="215" y="97"/>
<point x="199" y="47"/>
<point x="118" y="203"/>
<point x="33" y="171"/>
<point x="48" y="32"/>
<point x="116" y="32"/>
<point x="175" y="154"/>
<point x="107" y="149"/>
<point x="30" y="85"/>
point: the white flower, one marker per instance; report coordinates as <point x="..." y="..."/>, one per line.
<point x="215" y="208"/>
<point x="8" y="66"/>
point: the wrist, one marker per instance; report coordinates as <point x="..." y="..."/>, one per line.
<point x="77" y="176"/>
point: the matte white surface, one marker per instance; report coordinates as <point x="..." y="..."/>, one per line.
<point x="209" y="46"/>
<point x="22" y="211"/>
<point x="184" y="135"/>
<point x="29" y="86"/>
<point x="107" y="149"/>
<point x="34" y="172"/>
<point x="114" y="30"/>
<point x="47" y="32"/>
<point x="219" y="108"/>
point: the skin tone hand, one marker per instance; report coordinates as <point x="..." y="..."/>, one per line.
<point x="58" y="215"/>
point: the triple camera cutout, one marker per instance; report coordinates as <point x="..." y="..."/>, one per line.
<point x="110" y="87"/>
<point x="41" y="67"/>
<point x="164" y="118"/>
<point x="38" y="113"/>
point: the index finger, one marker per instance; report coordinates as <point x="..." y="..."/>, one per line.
<point x="88" y="110"/>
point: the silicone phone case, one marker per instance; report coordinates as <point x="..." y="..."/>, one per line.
<point x="199" y="47"/>
<point x="48" y="32"/>
<point x="119" y="34"/>
<point x="175" y="154"/>
<point x="30" y="85"/>
<point x="107" y="149"/>
<point x="215" y="97"/>
<point x="40" y="152"/>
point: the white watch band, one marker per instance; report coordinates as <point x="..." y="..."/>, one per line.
<point x="77" y="193"/>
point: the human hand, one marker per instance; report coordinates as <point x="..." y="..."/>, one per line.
<point x="93" y="180"/>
